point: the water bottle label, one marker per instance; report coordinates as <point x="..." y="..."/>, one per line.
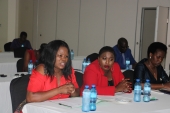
<point x="147" y="88"/>
<point x="137" y="88"/>
<point x="128" y="62"/>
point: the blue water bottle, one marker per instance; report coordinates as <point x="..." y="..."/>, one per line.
<point x="88" y="61"/>
<point x="93" y="98"/>
<point x="72" y="54"/>
<point x="36" y="63"/>
<point x="146" y="91"/>
<point x="84" y="65"/>
<point x="127" y="64"/>
<point x="137" y="91"/>
<point x="86" y="99"/>
<point x="30" y="67"/>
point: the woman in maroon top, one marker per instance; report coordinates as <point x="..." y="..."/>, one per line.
<point x="32" y="55"/>
<point x="106" y="74"/>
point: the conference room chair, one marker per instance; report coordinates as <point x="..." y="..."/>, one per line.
<point x="79" y="78"/>
<point x="20" y="64"/>
<point x="92" y="57"/>
<point x="7" y="46"/>
<point x="19" y="52"/>
<point x="129" y="74"/>
<point x="18" y="90"/>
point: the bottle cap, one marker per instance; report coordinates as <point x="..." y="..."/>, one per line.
<point x="30" y="60"/>
<point x="93" y="86"/>
<point x="137" y="80"/>
<point x="147" y="80"/>
<point x="86" y="86"/>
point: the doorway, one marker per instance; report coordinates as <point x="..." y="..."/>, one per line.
<point x="147" y="30"/>
<point x="154" y="28"/>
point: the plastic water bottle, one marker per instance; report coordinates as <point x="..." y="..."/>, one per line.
<point x="93" y="98"/>
<point x="146" y="91"/>
<point x="30" y="67"/>
<point x="72" y="54"/>
<point x="137" y="91"/>
<point x="127" y="64"/>
<point x="84" y="65"/>
<point x="88" y="62"/>
<point x="36" y="63"/>
<point x="86" y="99"/>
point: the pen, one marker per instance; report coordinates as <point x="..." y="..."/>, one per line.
<point x="65" y="105"/>
<point x="153" y="99"/>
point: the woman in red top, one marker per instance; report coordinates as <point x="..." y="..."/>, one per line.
<point x="32" y="55"/>
<point x="54" y="77"/>
<point x="105" y="74"/>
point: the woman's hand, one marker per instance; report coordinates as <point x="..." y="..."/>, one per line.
<point x="166" y="85"/>
<point x="124" y="86"/>
<point x="67" y="88"/>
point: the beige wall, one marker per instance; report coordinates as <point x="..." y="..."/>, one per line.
<point x="121" y="22"/>
<point x="85" y="25"/>
<point x="25" y="18"/>
<point x="8" y="21"/>
<point x="12" y="16"/>
<point x="3" y="23"/>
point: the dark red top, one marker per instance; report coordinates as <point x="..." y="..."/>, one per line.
<point x="32" y="55"/>
<point x="39" y="82"/>
<point x="95" y="75"/>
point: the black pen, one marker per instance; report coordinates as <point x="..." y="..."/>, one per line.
<point x="65" y="105"/>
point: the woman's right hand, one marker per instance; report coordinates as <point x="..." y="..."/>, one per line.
<point x="124" y="86"/>
<point x="67" y="88"/>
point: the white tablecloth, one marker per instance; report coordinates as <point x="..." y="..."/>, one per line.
<point x="6" y="54"/>
<point x="8" y="65"/>
<point x="5" y="96"/>
<point x="120" y="103"/>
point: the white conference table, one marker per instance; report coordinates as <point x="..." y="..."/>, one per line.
<point x="120" y="103"/>
<point x="5" y="96"/>
<point x="6" y="54"/>
<point x="8" y="65"/>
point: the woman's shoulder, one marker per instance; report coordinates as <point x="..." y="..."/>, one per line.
<point x="94" y="65"/>
<point x="41" y="69"/>
<point x="30" y="51"/>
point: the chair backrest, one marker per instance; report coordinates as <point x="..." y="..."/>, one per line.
<point x="79" y="78"/>
<point x="19" y="52"/>
<point x="7" y="46"/>
<point x="129" y="74"/>
<point x="20" y="64"/>
<point x="92" y="57"/>
<point x="18" y="90"/>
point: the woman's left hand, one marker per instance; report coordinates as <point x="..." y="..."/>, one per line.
<point x="124" y="86"/>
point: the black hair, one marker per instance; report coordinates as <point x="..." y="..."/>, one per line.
<point x="23" y="34"/>
<point x="153" y="47"/>
<point x="107" y="49"/>
<point x="121" y="40"/>
<point x="48" y="58"/>
<point x="42" y="46"/>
